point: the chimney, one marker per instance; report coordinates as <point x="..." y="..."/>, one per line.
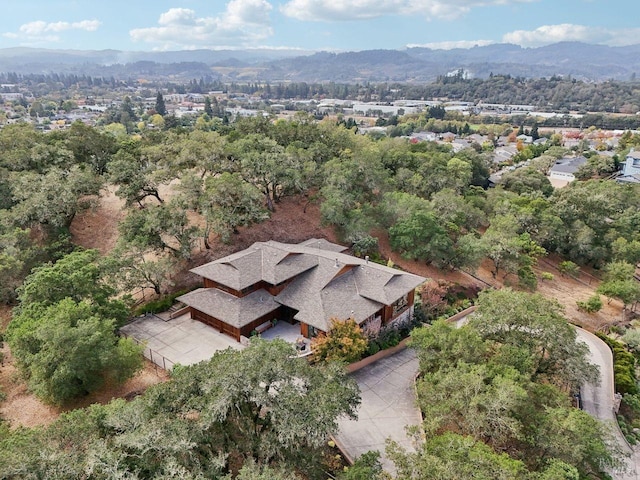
<point x="337" y="264"/>
<point x="366" y="259"/>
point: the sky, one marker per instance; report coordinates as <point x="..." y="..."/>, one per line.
<point x="314" y="25"/>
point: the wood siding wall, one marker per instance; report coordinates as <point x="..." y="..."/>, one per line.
<point x="272" y="289"/>
<point x="216" y="323"/>
<point x="247" y="329"/>
<point x="211" y="284"/>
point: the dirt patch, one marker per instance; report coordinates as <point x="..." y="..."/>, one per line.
<point x="145" y="378"/>
<point x="98" y="227"/>
<point x="424" y="269"/>
<point x="21" y="408"/>
<point x="5" y="316"/>
<point x="294" y="220"/>
<point x="568" y="290"/>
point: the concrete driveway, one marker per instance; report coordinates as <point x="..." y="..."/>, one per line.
<point x="598" y="399"/>
<point x="388" y="407"/>
<point x="181" y="340"/>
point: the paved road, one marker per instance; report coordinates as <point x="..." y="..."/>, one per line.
<point x="388" y="407"/>
<point x="598" y="400"/>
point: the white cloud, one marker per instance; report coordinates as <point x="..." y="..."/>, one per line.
<point x="450" y="45"/>
<point x="337" y="10"/>
<point x="547" y="34"/>
<point x="243" y="23"/>
<point x="567" y="32"/>
<point x="40" y="31"/>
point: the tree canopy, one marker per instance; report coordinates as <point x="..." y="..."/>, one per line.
<point x="258" y="410"/>
<point x="63" y="335"/>
<point x="495" y="396"/>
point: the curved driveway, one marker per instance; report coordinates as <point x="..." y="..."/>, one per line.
<point x="598" y="399"/>
<point x="389" y="404"/>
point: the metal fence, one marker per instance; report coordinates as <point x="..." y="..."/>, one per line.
<point x="157" y="359"/>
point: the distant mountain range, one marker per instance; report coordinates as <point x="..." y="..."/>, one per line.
<point x="417" y="65"/>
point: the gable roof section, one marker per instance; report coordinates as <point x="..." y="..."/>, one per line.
<point x="260" y="262"/>
<point x="323" y="244"/>
<point x="236" y="311"/>
<point x="236" y="271"/>
<point x="321" y="293"/>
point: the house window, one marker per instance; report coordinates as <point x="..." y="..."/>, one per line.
<point x="400" y="304"/>
<point x="313" y="331"/>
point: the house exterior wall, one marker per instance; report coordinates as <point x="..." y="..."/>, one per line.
<point x="229" y="329"/>
<point x="403" y="317"/>
<point x="272" y="289"/>
<point x="211" y="284"/>
<point x="562" y="176"/>
<point x="216" y="323"/>
<point x="631" y="165"/>
<point x="247" y="329"/>
<point x="391" y="312"/>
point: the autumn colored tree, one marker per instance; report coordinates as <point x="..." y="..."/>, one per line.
<point x="344" y="342"/>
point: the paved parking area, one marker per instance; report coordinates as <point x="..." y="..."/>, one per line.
<point x="181" y="340"/>
<point x="388" y="407"/>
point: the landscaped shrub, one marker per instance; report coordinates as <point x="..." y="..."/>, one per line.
<point x="623" y="366"/>
<point x="592" y="305"/>
<point x="373" y="348"/>
<point x="632" y="338"/>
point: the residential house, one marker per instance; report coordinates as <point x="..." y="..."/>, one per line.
<point x="565" y="168"/>
<point x="504" y="154"/>
<point x="632" y="163"/>
<point x="630" y="172"/>
<point x="527" y="139"/>
<point x="306" y="284"/>
<point x="459" y="144"/>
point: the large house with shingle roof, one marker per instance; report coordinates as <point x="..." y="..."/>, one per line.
<point x="307" y="283"/>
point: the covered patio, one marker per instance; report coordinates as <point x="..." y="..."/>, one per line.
<point x="290" y="333"/>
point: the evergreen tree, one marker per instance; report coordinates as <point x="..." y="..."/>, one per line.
<point x="161" y="108"/>
<point x="207" y="107"/>
<point x="534" y="131"/>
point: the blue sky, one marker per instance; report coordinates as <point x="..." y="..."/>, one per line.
<point x="314" y="24"/>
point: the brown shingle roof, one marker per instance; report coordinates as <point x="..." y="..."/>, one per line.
<point x="324" y="282"/>
<point x="236" y="311"/>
